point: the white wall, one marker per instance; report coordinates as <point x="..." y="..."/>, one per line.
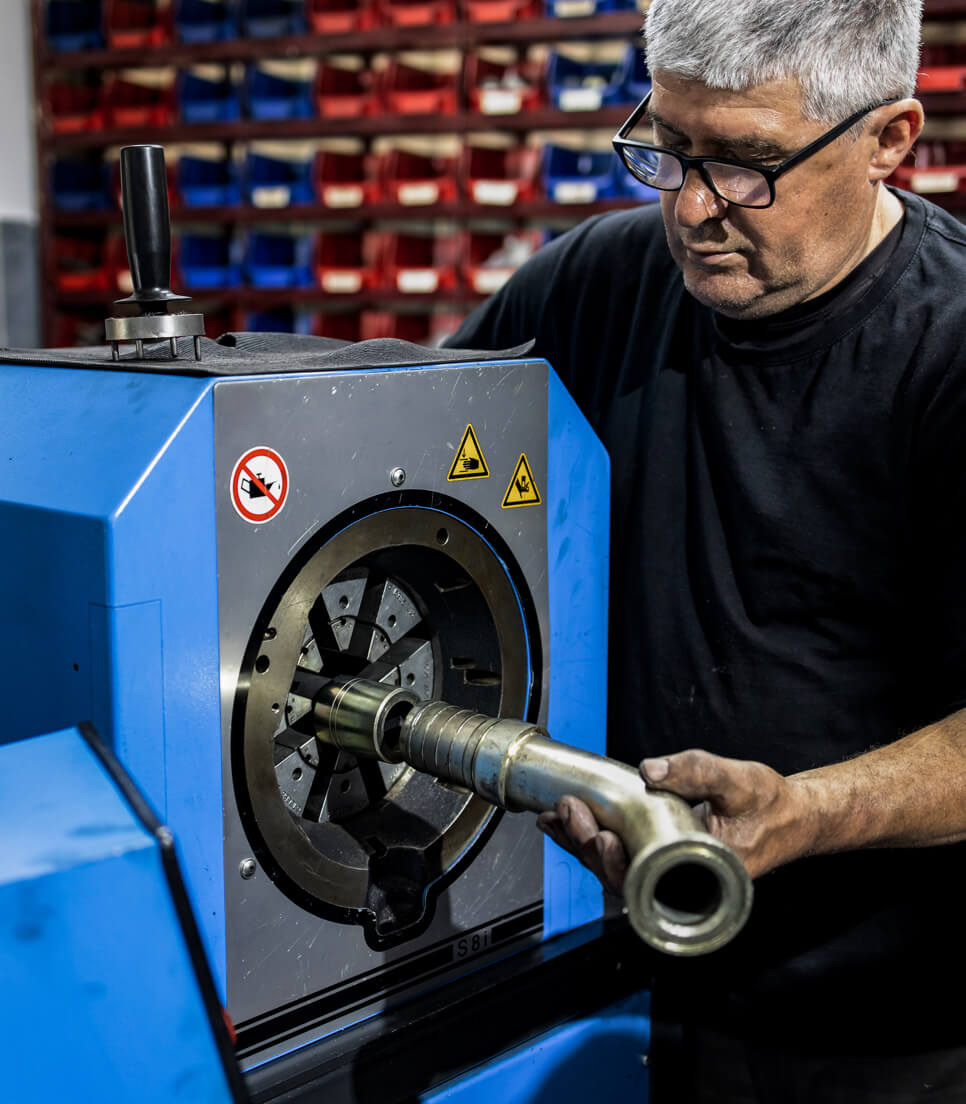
<point x="18" y="174"/>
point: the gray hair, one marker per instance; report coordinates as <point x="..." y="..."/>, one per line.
<point x="846" y="54"/>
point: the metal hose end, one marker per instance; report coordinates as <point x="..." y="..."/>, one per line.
<point x="362" y="717"/>
<point x="689" y="897"/>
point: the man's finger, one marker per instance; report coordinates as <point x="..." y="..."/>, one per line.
<point x="551" y="824"/>
<point x="698" y="776"/>
<point x="607" y="859"/>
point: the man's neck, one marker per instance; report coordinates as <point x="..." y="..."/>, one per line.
<point x="887" y="215"/>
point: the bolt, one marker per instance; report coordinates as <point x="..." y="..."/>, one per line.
<point x="397" y="477"/>
<point x="247" y="868"/>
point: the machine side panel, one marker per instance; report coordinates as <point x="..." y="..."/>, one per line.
<point x="164" y="618"/>
<point x="51" y="566"/>
<point x="88" y="928"/>
<point x="79" y="441"/>
<point x="128" y="698"/>
<point x="578" y="519"/>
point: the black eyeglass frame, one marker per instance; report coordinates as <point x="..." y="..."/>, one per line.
<point x="770" y="173"/>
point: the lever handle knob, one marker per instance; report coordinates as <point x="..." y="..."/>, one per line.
<point x="147" y="226"/>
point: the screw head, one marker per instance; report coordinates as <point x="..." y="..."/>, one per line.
<point x="397" y="477"/>
<point x="247" y="868"/>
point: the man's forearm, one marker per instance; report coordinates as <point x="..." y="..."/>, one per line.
<point x="911" y="793"/>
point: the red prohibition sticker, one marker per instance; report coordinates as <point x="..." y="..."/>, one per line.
<point x="259" y="485"/>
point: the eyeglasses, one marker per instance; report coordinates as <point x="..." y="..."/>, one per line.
<point x="735" y="182"/>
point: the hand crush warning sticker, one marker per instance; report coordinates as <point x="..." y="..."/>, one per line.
<point x="468" y="463"/>
<point x="259" y="485"/>
<point x="522" y="490"/>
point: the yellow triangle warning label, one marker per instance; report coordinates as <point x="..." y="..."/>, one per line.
<point x="522" y="490"/>
<point x="468" y="463"/>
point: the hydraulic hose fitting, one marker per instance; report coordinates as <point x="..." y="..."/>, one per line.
<point x="686" y="892"/>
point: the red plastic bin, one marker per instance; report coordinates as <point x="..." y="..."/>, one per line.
<point x="418" y="264"/>
<point x="132" y="104"/>
<point x="345" y="262"/>
<point x="374" y="324"/>
<point x="340" y="325"/>
<point x="344" y="180"/>
<point x="80" y="260"/>
<point x="74" y="108"/>
<point x="416" y="13"/>
<point x="340" y="16"/>
<point x="500" y="177"/>
<point x="134" y="24"/>
<point x="488" y="260"/>
<point x="343" y="93"/>
<point x="503" y="88"/>
<point x="417" y="180"/>
<point x="500" y="11"/>
<point x="409" y="90"/>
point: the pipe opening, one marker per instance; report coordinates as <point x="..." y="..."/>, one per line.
<point x="688" y="893"/>
<point x="392" y="727"/>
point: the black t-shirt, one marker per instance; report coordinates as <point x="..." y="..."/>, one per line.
<point x="788" y="577"/>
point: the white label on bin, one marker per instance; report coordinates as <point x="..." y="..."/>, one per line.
<point x="343" y="195"/>
<point x="575" y="191"/>
<point x="500" y="101"/>
<point x="417" y="279"/>
<point x="581" y="99"/>
<point x="278" y="195"/>
<point x="417" y="195"/>
<point x="568" y="8"/>
<point x="497" y="192"/>
<point x="488" y="280"/>
<point x="342" y="283"/>
<point x="935" y="182"/>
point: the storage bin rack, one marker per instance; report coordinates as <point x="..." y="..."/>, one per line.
<point x="226" y="205"/>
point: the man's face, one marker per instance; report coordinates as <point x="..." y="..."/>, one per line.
<point x="751" y="263"/>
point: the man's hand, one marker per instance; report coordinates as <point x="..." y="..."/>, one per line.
<point x="766" y="818"/>
<point x="573" y="827"/>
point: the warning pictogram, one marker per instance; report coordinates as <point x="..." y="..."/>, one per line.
<point x="522" y="490"/>
<point x="468" y="462"/>
<point x="259" y="485"/>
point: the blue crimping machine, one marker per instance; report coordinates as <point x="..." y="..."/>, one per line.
<point x="190" y="548"/>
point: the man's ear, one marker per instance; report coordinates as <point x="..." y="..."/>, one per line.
<point x="895" y="129"/>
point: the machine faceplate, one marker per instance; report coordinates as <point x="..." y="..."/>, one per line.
<point x="293" y="975"/>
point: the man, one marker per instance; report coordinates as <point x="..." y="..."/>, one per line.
<point x="774" y="359"/>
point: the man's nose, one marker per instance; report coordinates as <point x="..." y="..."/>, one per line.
<point x="696" y="202"/>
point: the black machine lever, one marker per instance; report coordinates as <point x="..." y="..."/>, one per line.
<point x="147" y="233"/>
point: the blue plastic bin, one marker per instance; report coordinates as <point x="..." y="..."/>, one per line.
<point x="204" y="21"/>
<point x="73" y="24"/>
<point x="277" y="182"/>
<point x="268" y="18"/>
<point x="564" y="9"/>
<point x="275" y="259"/>
<point x="579" y="176"/>
<point x="209" y="261"/>
<point x="79" y="184"/>
<point x="203" y="182"/>
<point x="268" y="96"/>
<point x="206" y="101"/>
<point x="636" y="78"/>
<point x="585" y="86"/>
<point x="280" y="320"/>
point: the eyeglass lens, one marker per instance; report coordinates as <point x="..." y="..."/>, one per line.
<point x="733" y="183"/>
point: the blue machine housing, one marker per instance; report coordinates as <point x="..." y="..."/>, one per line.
<point x="109" y="582"/>
<point x="93" y="945"/>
